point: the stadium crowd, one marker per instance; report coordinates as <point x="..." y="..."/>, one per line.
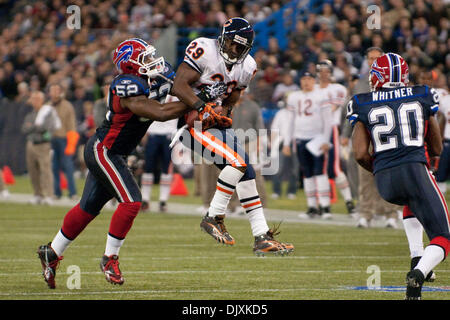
<point x="38" y="49"/>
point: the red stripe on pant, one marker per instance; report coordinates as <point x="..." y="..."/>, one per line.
<point x="123" y="218"/>
<point x="407" y="213"/>
<point x="75" y="221"/>
<point x="112" y="173"/>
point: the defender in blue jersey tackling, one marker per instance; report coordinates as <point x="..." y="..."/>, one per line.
<point x="136" y="98"/>
<point x="398" y="121"/>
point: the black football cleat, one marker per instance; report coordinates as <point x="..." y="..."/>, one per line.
<point x="414" y="282"/>
<point x="313" y="212"/>
<point x="325" y="213"/>
<point x="266" y="243"/>
<point x="162" y="206"/>
<point x="50" y="262"/>
<point x="145" y="206"/>
<point x="215" y="227"/>
<point x="350" y="207"/>
<point x="431" y="276"/>
<point x="110" y="267"/>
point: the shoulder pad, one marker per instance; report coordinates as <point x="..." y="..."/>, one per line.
<point x="352" y="111"/>
<point x="168" y="71"/>
<point x="127" y="85"/>
<point x="199" y="52"/>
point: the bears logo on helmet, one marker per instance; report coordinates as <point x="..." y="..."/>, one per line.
<point x="239" y="32"/>
<point x="388" y="71"/>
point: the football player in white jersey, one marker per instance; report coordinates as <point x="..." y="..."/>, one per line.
<point x="226" y="60"/>
<point x="440" y="165"/>
<point x="443" y="171"/>
<point x="310" y="127"/>
<point x="335" y="95"/>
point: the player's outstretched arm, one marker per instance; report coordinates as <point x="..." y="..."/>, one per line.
<point x="182" y="84"/>
<point x="153" y="110"/>
<point x="361" y="144"/>
<point x="434" y="138"/>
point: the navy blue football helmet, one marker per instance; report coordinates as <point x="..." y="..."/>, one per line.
<point x="236" y="40"/>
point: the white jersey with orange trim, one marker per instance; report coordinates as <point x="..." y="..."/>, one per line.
<point x="441" y="92"/>
<point x="444" y="107"/>
<point x="203" y="55"/>
<point x="311" y="116"/>
<point x="335" y="94"/>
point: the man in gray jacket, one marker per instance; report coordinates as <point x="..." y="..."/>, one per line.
<point x="38" y="126"/>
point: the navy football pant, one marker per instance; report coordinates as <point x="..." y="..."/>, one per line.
<point x="443" y="171"/>
<point x="413" y="185"/>
<point x="157" y="149"/>
<point x="109" y="176"/>
<point x="309" y="163"/>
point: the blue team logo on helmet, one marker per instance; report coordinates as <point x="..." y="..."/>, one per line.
<point x="123" y="55"/>
<point x="375" y="69"/>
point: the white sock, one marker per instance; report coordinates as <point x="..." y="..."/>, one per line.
<point x="323" y="190"/>
<point x="146" y="189"/>
<point x="164" y="186"/>
<point x="343" y="186"/>
<point x="113" y="246"/>
<point x="432" y="256"/>
<point x="309" y="185"/>
<point x="226" y="183"/>
<point x="250" y="201"/>
<point x="442" y="187"/>
<point x="414" y="233"/>
<point x="60" y="243"/>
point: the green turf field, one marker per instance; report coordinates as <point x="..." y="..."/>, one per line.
<point x="167" y="257"/>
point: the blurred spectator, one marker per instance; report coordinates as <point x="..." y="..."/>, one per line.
<point x="23" y="92"/>
<point x="288" y="164"/>
<point x="248" y="123"/>
<point x="196" y="17"/>
<point x="64" y="141"/>
<point x="100" y="105"/>
<point x="327" y="16"/>
<point x="255" y="13"/>
<point x="85" y="129"/>
<point x="39" y="126"/>
<point x="286" y="85"/>
<point x="261" y="90"/>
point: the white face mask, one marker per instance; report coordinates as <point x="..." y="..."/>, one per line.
<point x="148" y="64"/>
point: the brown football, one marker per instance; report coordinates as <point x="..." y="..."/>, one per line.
<point x="192" y="116"/>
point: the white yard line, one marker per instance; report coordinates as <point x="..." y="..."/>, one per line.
<point x="79" y="292"/>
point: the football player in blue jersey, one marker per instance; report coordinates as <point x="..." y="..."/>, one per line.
<point x="136" y="98"/>
<point x="398" y="120"/>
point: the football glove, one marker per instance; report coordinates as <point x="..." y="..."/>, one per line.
<point x="212" y="91"/>
<point x="210" y="118"/>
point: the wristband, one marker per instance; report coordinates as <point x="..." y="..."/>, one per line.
<point x="202" y="95"/>
<point x="199" y="105"/>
